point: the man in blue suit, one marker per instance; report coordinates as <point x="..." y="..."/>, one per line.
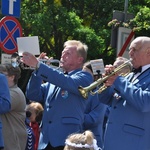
<point x="4" y="102"/>
<point x="128" y="126"/>
<point x="95" y="112"/>
<point x="63" y="105"/>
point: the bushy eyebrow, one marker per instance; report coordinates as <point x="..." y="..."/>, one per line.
<point x="133" y="49"/>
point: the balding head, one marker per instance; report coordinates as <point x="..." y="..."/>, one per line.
<point x="142" y="41"/>
<point x="140" y="51"/>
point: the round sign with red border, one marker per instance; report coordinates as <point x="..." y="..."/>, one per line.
<point x="10" y="30"/>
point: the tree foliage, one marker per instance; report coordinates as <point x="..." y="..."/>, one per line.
<point x="141" y="22"/>
<point x="55" y="21"/>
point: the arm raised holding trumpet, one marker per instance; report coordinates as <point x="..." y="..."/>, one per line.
<point x="121" y="66"/>
<point x="109" y="69"/>
<point x="111" y="73"/>
<point x="32" y="61"/>
<point x="29" y="61"/>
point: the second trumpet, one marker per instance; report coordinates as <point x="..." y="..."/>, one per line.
<point x="89" y="89"/>
<point x="16" y="61"/>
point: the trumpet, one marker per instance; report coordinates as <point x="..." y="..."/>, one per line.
<point x="84" y="91"/>
<point x="16" y="61"/>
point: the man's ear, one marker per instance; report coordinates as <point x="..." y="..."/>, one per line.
<point x="80" y="60"/>
<point x="148" y="51"/>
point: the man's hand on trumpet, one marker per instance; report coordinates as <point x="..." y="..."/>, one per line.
<point x="44" y="58"/>
<point x="108" y="70"/>
<point x="30" y="60"/>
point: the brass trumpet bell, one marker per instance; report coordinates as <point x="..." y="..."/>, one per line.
<point x="85" y="91"/>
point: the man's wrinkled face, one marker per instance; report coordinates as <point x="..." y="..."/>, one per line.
<point x="138" y="54"/>
<point x="69" y="58"/>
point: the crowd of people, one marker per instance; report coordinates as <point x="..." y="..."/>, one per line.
<point x="58" y="117"/>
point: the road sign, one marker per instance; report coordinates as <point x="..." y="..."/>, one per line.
<point x="11" y="8"/>
<point x="10" y="29"/>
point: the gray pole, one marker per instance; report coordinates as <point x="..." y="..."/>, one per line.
<point x="125" y="10"/>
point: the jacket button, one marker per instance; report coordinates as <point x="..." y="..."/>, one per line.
<point x="115" y="107"/>
<point x="50" y="121"/>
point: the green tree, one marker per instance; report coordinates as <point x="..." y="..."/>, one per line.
<point x="141" y="22"/>
<point x="54" y="25"/>
<point x="56" y="21"/>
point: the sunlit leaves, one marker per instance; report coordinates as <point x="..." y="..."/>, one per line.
<point x="57" y="2"/>
<point x="56" y="21"/>
<point x="142" y="20"/>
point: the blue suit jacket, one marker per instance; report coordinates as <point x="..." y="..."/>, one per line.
<point x="94" y="118"/>
<point x="4" y="102"/>
<point x="64" y="108"/>
<point x="128" y="126"/>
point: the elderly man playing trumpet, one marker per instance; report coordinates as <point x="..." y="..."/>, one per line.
<point x="128" y="126"/>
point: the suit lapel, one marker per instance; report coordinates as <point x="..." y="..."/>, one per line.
<point x="142" y="76"/>
<point x="52" y="92"/>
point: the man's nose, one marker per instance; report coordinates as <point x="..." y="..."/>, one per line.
<point x="130" y="52"/>
<point x="63" y="55"/>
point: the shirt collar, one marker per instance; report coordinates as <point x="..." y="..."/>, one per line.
<point x="145" y="67"/>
